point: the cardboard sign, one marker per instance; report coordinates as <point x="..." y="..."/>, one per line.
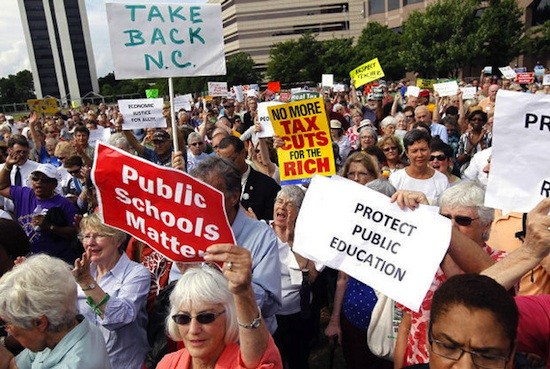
<point x="339" y="87"/>
<point x="378" y="92"/>
<point x="100" y="134"/>
<point x="468" y="92"/>
<point x="412" y="91"/>
<point x="546" y="80"/>
<point x="183" y="102"/>
<point x="152" y="93"/>
<point x="304" y="95"/>
<point x="142" y="113"/>
<point x="446" y="88"/>
<point x="307" y="149"/>
<point x="43" y="106"/>
<point x="174" y="213"/>
<point x="166" y="40"/>
<point x="357" y="230"/>
<point x="327" y="80"/>
<point x="368" y="72"/>
<point x="507" y="72"/>
<point x="238" y="90"/>
<point x="525" y="78"/>
<point x="520" y="174"/>
<point x="263" y="118"/>
<point x="274" y="86"/>
<point x="425" y="83"/>
<point x="217" y="88"/>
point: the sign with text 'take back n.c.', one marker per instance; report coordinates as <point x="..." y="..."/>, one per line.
<point x="368" y="72"/>
<point x="166" y="40"/>
<point x="176" y="214"/>
<point x="520" y="175"/>
<point x="352" y="228"/>
<point x="307" y="149"/>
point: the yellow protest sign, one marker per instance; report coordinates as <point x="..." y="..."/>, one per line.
<point x="367" y="72"/>
<point x="425" y="84"/>
<point x="43" y="106"/>
<point x="307" y="149"/>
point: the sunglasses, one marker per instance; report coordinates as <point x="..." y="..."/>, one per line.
<point x="196" y="143"/>
<point x="73" y="172"/>
<point x="438" y="157"/>
<point x="460" y="220"/>
<point x="409" y="116"/>
<point x="42" y="179"/>
<point x="202" y="318"/>
<point x="388" y="149"/>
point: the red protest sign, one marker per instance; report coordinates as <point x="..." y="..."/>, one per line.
<point x="525" y="78"/>
<point x="274" y="86"/>
<point x="174" y="213"/>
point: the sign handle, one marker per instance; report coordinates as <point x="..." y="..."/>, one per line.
<point x="173" y="114"/>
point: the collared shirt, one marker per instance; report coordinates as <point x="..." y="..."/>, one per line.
<point x="81" y="348"/>
<point x="151" y="155"/>
<point x="439" y="130"/>
<point x="26" y="169"/>
<point x="124" y="325"/>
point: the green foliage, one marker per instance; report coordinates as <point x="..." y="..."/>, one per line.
<point x="337" y="58"/>
<point x="538" y="43"/>
<point x="17" y="88"/>
<point x="241" y="71"/>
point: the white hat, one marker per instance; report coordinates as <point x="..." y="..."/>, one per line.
<point x="335" y="124"/>
<point x="49" y="171"/>
<point x="365" y="123"/>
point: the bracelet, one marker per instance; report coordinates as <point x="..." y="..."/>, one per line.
<point x="96" y="307"/>
<point x="254" y="323"/>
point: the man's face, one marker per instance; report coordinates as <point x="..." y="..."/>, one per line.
<point x="20" y="152"/>
<point x="81" y="138"/>
<point x="238" y="158"/>
<point x="162" y="147"/>
<point x="422" y="115"/>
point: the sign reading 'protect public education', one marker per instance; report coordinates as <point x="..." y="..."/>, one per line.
<point x="166" y="40"/>
<point x="169" y="210"/>
<point x="307" y="148"/>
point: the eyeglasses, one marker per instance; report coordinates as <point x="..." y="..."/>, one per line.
<point x="438" y="157"/>
<point x="94" y="236"/>
<point x="460" y="220"/>
<point x="196" y="143"/>
<point x="409" y="116"/>
<point x="73" y="172"/>
<point x="480" y="359"/>
<point x="358" y="174"/>
<point x="42" y="179"/>
<point x="202" y="318"/>
<point x="388" y="149"/>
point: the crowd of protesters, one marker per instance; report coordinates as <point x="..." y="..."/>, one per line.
<point x="126" y="306"/>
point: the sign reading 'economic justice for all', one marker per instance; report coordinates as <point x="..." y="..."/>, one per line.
<point x="358" y="231"/>
<point x="307" y="148"/>
<point x="174" y="213"/>
<point x="142" y="113"/>
<point x="166" y="40"/>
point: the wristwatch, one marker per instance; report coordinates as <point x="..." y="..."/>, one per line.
<point x="255" y="323"/>
<point x="91" y="286"/>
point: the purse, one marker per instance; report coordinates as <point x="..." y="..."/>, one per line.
<point x="382" y="331"/>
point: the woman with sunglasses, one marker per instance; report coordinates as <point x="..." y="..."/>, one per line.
<point x="393" y="152"/>
<point x="216" y="317"/>
<point x="195" y="150"/>
<point x="113" y="292"/>
<point x="477" y="138"/>
<point x="441" y="159"/>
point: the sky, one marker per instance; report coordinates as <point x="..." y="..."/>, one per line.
<point x="13" y="49"/>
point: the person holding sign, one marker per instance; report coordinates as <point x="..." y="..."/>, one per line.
<point x="216" y="316"/>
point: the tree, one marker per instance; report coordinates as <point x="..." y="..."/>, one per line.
<point x="240" y="70"/>
<point x="378" y="41"/>
<point x="539" y="41"/>
<point x="336" y="57"/>
<point x="17" y="88"/>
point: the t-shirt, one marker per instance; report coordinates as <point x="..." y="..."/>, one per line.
<point x="432" y="187"/>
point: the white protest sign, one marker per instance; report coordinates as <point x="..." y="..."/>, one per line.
<point x="327" y="80"/>
<point x="217" y="88"/>
<point x="546" y="80"/>
<point x="446" y="88"/>
<point x="238" y="93"/>
<point x="263" y="118"/>
<point x="183" y="102"/>
<point x="412" y="91"/>
<point x="352" y="228"/>
<point x="520" y="174"/>
<point x="166" y="40"/>
<point x="100" y="134"/>
<point x="295" y="90"/>
<point x="468" y="92"/>
<point x="507" y="72"/>
<point x="142" y="113"/>
<point x="339" y="87"/>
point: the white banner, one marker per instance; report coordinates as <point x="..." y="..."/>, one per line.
<point x="446" y="88"/>
<point x="468" y="92"/>
<point x="350" y="227"/>
<point x="263" y="118"/>
<point x="412" y="91"/>
<point x="520" y="174"/>
<point x="327" y="80"/>
<point x="183" y="102"/>
<point x="142" y="113"/>
<point x="507" y="72"/>
<point x="217" y="89"/>
<point x="166" y="40"/>
<point x="339" y="87"/>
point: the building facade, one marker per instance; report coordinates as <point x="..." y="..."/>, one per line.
<point x="60" y="50"/>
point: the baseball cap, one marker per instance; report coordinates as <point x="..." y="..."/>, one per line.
<point x="161" y="136"/>
<point x="49" y="171"/>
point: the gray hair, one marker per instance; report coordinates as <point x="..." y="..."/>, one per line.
<point x="119" y="140"/>
<point x="470" y="194"/>
<point x="383" y="186"/>
<point x="202" y="285"/>
<point x="216" y="167"/>
<point x="293" y="193"/>
<point x="387" y="121"/>
<point x="369" y="130"/>
<point x="193" y="136"/>
<point x="94" y="223"/>
<point x="40" y="286"/>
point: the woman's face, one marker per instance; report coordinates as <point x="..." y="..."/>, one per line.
<point x="419" y="154"/>
<point x="401" y="124"/>
<point x="205" y="342"/>
<point x="367" y="140"/>
<point x="470" y="329"/>
<point x="389" y="129"/>
<point x="101" y="248"/>
<point x="284" y="211"/>
<point x="439" y="162"/>
<point x="477" y="122"/>
<point x="358" y="173"/>
<point x="357" y="118"/>
<point x="466" y="220"/>
<point x="390" y="151"/>
<point x="196" y="146"/>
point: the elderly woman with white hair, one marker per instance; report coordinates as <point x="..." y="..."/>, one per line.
<point x="216" y="316"/>
<point x="38" y="307"/>
<point x="195" y="150"/>
<point x="463" y="204"/>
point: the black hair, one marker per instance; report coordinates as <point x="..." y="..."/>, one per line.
<point x="231" y="140"/>
<point x="415" y="135"/>
<point x="439" y="145"/>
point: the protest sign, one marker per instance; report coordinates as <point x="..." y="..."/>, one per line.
<point x="166" y="40"/>
<point x="307" y="148"/>
<point x="183" y="102"/>
<point x="327" y="80"/>
<point x="304" y="95"/>
<point x="377" y="92"/>
<point x="263" y="118"/>
<point x="142" y="113"/>
<point x="546" y="80"/>
<point x="468" y="92"/>
<point x="525" y="78"/>
<point x="507" y="72"/>
<point x="368" y="72"/>
<point x="284" y="96"/>
<point x="412" y="91"/>
<point x="100" y="134"/>
<point x="446" y="88"/>
<point x="43" y="106"/>
<point x="520" y="174"/>
<point x="217" y="88"/>
<point x="488" y="70"/>
<point x="425" y="83"/>
<point x="238" y="90"/>
<point x="174" y="213"/>
<point x="339" y="87"/>
<point x="152" y="93"/>
<point x="358" y="231"/>
<point x="295" y="90"/>
<point x="274" y="86"/>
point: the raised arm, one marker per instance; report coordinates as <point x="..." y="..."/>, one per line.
<point x="5" y="179"/>
<point x="34" y="120"/>
<point x="132" y="140"/>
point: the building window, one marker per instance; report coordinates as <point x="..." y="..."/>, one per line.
<point x="377" y="6"/>
<point x="394" y="4"/>
<point x="409" y="2"/>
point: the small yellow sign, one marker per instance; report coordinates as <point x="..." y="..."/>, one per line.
<point x="368" y="72"/>
<point x="44" y="106"/>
